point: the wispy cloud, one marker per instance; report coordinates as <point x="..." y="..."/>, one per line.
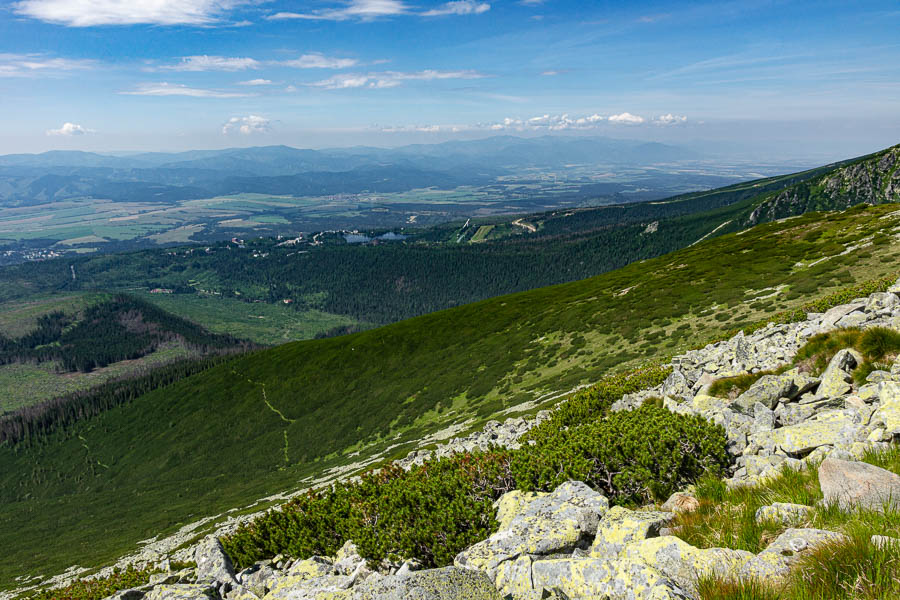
<point x="355" y="9"/>
<point x="246" y="125"/>
<point x="367" y="10"/>
<point x="213" y="63"/>
<point x="546" y="122"/>
<point x="29" y="65"/>
<point x="389" y="79"/>
<point x="69" y="130"/>
<point x="459" y="7"/>
<point x="256" y="82"/>
<point x="317" y="60"/>
<point x="171" y="89"/>
<point x="89" y="13"/>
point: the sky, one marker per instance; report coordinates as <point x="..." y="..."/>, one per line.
<point x="780" y="78"/>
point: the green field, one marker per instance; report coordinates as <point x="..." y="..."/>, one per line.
<point x="20" y="317"/>
<point x="260" y="322"/>
<point x="263" y="423"/>
<point x="24" y="384"/>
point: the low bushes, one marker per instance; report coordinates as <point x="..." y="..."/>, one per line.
<point x="629" y="456"/>
<point x="431" y="512"/>
<point x="436" y="510"/>
<point x="96" y="589"/>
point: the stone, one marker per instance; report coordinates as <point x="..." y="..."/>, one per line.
<point x="259" y="579"/>
<point x="824" y="429"/>
<point x="680" y="502"/>
<point x="132" y="594"/>
<point x="878" y="302"/>
<point x="888" y="412"/>
<point x="833" y="315"/>
<point x="347" y="560"/>
<point x="836" y="378"/>
<point x="511" y="504"/>
<point x="763" y="418"/>
<point x="766" y="390"/>
<point x="514" y="578"/>
<point x="589" y="578"/>
<point x="879" y="376"/>
<point x="554" y="523"/>
<point x="851" y="484"/>
<point x="784" y="513"/>
<point x="620" y="527"/>
<point x="682" y="563"/>
<point x="448" y="583"/>
<point x="676" y="385"/>
<point x="241" y="592"/>
<point x="213" y="563"/>
<point x="773" y="564"/>
<point x="299" y="587"/>
<point x="182" y="591"/>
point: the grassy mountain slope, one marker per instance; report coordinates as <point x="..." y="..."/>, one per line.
<point x="262" y="423"/>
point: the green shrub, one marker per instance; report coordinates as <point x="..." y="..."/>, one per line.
<point x="431" y="512"/>
<point x="629" y="456"/>
<point x="95" y="589"/>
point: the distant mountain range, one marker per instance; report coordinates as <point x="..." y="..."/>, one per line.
<point x="28" y="179"/>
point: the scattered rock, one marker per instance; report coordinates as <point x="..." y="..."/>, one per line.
<point x="620" y="527"/>
<point x="774" y="563"/>
<point x="448" y="583"/>
<point x="680" y="502"/>
<point x="857" y="484"/>
<point x="213" y="563"/>
<point x="784" y="513"/>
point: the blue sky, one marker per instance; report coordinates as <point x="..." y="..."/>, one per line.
<point x="789" y="78"/>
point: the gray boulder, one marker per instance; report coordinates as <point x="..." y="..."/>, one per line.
<point x="852" y="484"/>
<point x="213" y="563"/>
<point x="448" y="583"/>
<point x="182" y="591"/>
<point x="773" y="564"/>
<point x="590" y="578"/>
<point x="620" y="527"/>
<point x="783" y="513"/>
<point x="558" y="522"/>
<point x="836" y="378"/>
<point x="767" y="390"/>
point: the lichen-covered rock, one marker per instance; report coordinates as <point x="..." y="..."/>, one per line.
<point x="213" y="563"/>
<point x="827" y="428"/>
<point x="514" y="578"/>
<point x="557" y="522"/>
<point x="766" y="390"/>
<point x="448" y="583"/>
<point x="682" y="563"/>
<point x="511" y="504"/>
<point x="259" y="579"/>
<point x="620" y="527"/>
<point x="851" y="484"/>
<point x="182" y="591"/>
<point x="298" y="587"/>
<point x="774" y="563"/>
<point x="836" y="378"/>
<point x="241" y="592"/>
<point x="888" y="412"/>
<point x="347" y="559"/>
<point x="589" y="578"/>
<point x="784" y="513"/>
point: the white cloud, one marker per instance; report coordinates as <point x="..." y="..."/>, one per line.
<point x="367" y="10"/>
<point x="29" y="65"/>
<point x="70" y="129"/>
<point x="88" y="13"/>
<point x="317" y="60"/>
<point x="548" y="122"/>
<point x="355" y="9"/>
<point x="213" y="63"/>
<point x="459" y="7"/>
<point x="246" y="125"/>
<point x="389" y="79"/>
<point x="670" y="119"/>
<point x="171" y="89"/>
<point x="626" y="118"/>
<point x="256" y="82"/>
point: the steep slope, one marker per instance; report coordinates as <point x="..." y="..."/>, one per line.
<point x="874" y="179"/>
<point x="262" y="423"/>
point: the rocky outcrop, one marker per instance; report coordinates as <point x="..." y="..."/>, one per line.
<point x="853" y="485"/>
